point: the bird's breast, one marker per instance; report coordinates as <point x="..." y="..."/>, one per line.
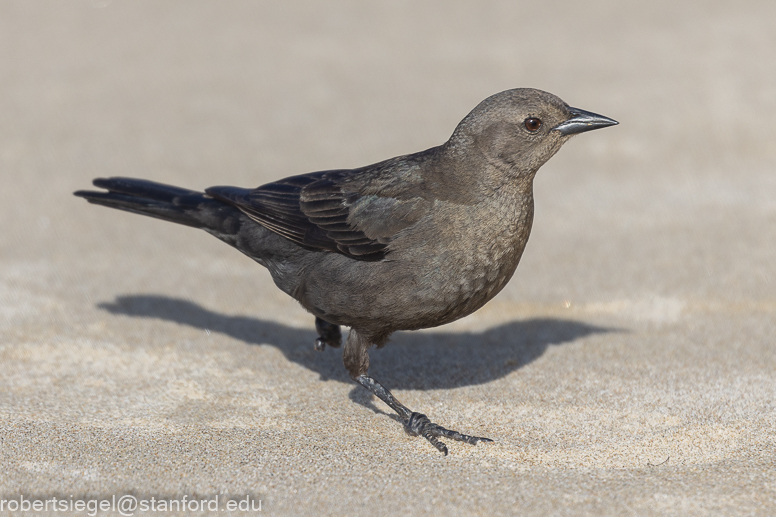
<point x="472" y="257"/>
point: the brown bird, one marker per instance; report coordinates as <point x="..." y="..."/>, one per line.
<point x="408" y="243"/>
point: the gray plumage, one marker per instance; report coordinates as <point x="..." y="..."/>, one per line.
<point x="412" y="242"/>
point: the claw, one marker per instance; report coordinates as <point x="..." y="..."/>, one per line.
<point x="440" y="446"/>
<point x="419" y="424"/>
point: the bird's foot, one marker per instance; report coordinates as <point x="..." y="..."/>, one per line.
<point x="328" y="334"/>
<point x="416" y="424"/>
<point x="419" y="424"/>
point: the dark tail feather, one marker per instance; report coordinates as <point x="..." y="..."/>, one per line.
<point x="158" y="200"/>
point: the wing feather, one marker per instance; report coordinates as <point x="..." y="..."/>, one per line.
<point x="341" y="211"/>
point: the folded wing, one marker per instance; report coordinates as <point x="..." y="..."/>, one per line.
<point x="353" y="212"/>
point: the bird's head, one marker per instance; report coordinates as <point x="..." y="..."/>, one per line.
<point x="519" y="130"/>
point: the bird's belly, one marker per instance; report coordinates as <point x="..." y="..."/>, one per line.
<point x="378" y="298"/>
<point x="457" y="290"/>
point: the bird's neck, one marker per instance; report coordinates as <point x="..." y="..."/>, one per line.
<point x="482" y="175"/>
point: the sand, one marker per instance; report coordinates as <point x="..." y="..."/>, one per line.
<point x="627" y="369"/>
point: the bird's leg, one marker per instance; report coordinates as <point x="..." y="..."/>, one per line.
<point x="356" y="359"/>
<point x="328" y="334"/>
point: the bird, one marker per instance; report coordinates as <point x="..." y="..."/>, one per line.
<point x="411" y="242"/>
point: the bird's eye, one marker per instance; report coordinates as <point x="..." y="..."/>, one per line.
<point x="532" y="124"/>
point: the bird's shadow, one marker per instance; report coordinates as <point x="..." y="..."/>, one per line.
<point x="412" y="360"/>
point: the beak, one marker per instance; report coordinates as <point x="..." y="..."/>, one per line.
<point x="582" y="121"/>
